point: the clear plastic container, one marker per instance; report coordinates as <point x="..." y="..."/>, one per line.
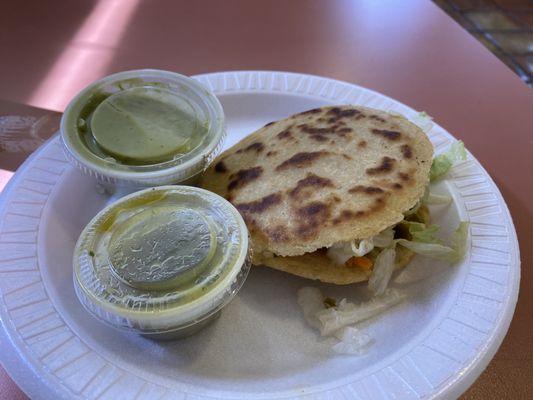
<point x="143" y="128"/>
<point x="163" y="261"/>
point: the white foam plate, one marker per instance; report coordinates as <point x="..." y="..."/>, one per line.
<point x="433" y="345"/>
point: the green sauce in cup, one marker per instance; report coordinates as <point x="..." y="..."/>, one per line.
<point x="145" y="125"/>
<point x="162" y="262"/>
<point x="143" y="128"/>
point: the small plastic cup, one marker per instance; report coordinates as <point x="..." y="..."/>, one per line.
<point x="143" y="128"/>
<point x="162" y="262"/>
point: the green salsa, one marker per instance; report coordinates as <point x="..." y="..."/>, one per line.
<point x="162" y="261"/>
<point x="163" y="241"/>
<point x="143" y="128"/>
<point x="140" y="126"/>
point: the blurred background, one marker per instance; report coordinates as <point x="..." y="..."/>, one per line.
<point x="505" y="27"/>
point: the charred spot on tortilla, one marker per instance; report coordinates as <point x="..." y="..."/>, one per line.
<point x="308" y="112"/>
<point x="377" y="118"/>
<point x="285" y="134"/>
<point x="305" y="128"/>
<point x="347" y="215"/>
<point x="361" y="144"/>
<point x="406" y="151"/>
<point x="389" y="135"/>
<point x="343" y="131"/>
<point x="378" y="205"/>
<point x="300" y="160"/>
<point x="271" y="153"/>
<point x="336" y="113"/>
<point x="319" y="138"/>
<point x="270" y="123"/>
<point x="313" y="209"/>
<point x="251" y="222"/>
<point x="258" y="147"/>
<point x="344" y="215"/>
<point x="278" y="233"/>
<point x="243" y="177"/>
<point x="311" y="181"/>
<point x="386" y="166"/>
<point x="259" y="206"/>
<point x="311" y="217"/>
<point x="220" y="167"/>
<point x="397" y="186"/>
<point x="371" y="190"/>
<point x="403" y="176"/>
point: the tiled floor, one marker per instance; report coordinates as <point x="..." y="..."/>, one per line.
<point x="505" y="27"/>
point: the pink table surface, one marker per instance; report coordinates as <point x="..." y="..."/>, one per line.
<point x="409" y="50"/>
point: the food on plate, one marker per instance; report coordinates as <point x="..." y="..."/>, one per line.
<point x="161" y="262"/>
<point x="339" y="321"/>
<point x="143" y="128"/>
<point x="351" y="341"/>
<point x="334" y="193"/>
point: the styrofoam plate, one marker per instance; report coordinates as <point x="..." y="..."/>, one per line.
<point x="433" y="345"/>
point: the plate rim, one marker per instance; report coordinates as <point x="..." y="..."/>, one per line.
<point x="18" y="366"/>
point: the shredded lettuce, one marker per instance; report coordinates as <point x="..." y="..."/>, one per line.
<point x="338" y="321"/>
<point x="443" y="162"/>
<point x="343" y="251"/>
<point x="351" y="341"/>
<point x="425" y="243"/>
<point x="432" y="250"/>
<point x="429" y="198"/>
<point x="460" y="240"/>
<point x="384" y="238"/>
<point x="382" y="271"/>
<point x="436" y="199"/>
<point x="419" y="203"/>
<point x="361" y="247"/>
<point x="422" y="233"/>
<point x="311" y="301"/>
<point x="346" y="313"/>
<point x="340" y="252"/>
<point x="414" y="210"/>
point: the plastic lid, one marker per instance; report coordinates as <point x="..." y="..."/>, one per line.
<point x="143" y="128"/>
<point x="161" y="259"/>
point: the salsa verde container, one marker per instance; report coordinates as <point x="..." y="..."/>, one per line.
<point x="143" y="128"/>
<point x="162" y="262"/>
